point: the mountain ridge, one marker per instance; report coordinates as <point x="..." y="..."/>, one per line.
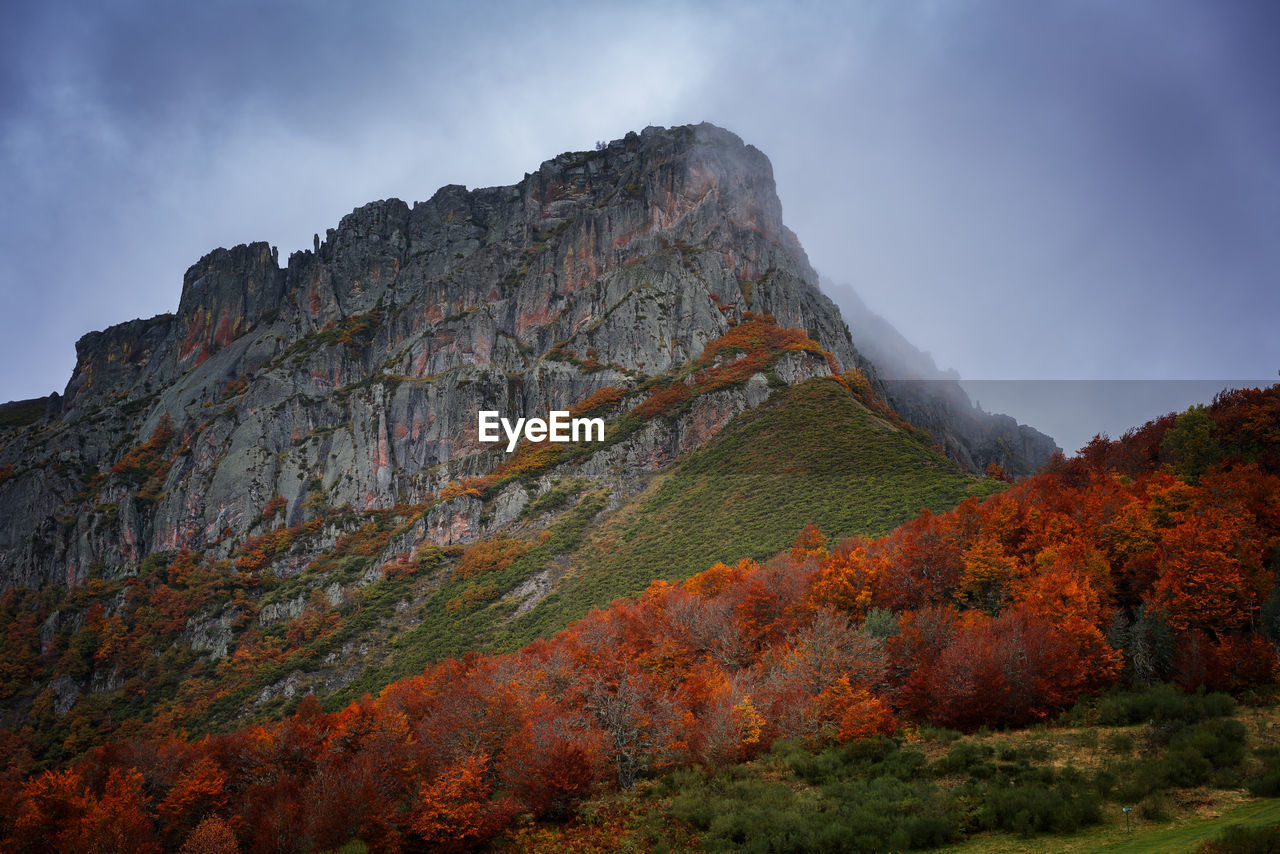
<point x="933" y="399"/>
<point x="294" y="455"/>
<point x="275" y="501"/>
<point x="598" y="270"/>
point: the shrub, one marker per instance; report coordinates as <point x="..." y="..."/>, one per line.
<point x="1206" y="752"/>
<point x="867" y="796"/>
<point x="1156" y="807"/>
<point x="1181" y="767"/>
<point x="554" y="498"/>
<point x="1030" y="808"/>
<point x="963" y="756"/>
<point x="1220" y="741"/>
<point x="661" y="401"/>
<point x="491" y="555"/>
<point x="1194" y="754"/>
<point x="1164" y="707"/>
<point x="145" y="466"/>
<point x="1120" y="743"/>
<point x="605" y="398"/>
<point x="1266" y="785"/>
<point x="1238" y="839"/>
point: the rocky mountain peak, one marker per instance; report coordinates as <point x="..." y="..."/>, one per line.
<point x="290" y="471"/>
<point x="351" y="379"/>
<point x="224" y="295"/>
<point x="352" y="376"/>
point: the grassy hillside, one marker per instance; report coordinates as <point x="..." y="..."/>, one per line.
<point x="811" y="453"/>
<point x="1180" y="835"/>
<point x="20" y="413"/>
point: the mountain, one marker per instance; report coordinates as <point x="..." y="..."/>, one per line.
<point x="934" y="401"/>
<point x="247" y="519"/>
<point x="282" y="490"/>
<point x="357" y="370"/>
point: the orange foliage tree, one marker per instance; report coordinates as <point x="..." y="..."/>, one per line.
<point x="1202" y="580"/>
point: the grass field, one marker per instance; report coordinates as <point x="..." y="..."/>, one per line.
<point x="1174" y="837"/>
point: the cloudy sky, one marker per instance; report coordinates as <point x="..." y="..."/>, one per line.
<point x="1030" y="191"/>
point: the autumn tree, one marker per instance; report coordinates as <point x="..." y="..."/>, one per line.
<point x="639" y="721"/>
<point x="453" y="812"/>
<point x="117" y="821"/>
<point x="50" y="811"/>
<point x="1202" y="583"/>
<point x="989" y="575"/>
<point x="200" y="790"/>
<point x="211" y="836"/>
<point x="1016" y="668"/>
<point x="848" y="580"/>
<point x="809" y="542"/>
<point x="842" y="712"/>
<point x="1189" y="443"/>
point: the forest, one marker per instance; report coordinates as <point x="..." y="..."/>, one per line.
<point x="1144" y="562"/>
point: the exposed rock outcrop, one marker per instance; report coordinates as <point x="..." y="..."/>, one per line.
<point x="353" y="375"/>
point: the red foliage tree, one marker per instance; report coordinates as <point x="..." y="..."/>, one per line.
<point x="1203" y="582"/>
<point x="454" y="812"/>
<point x="211" y="836"/>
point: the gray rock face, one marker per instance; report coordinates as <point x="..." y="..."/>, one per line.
<point x="210" y="634"/>
<point x="66" y="691"/>
<point x="276" y="612"/>
<point x="353" y="375"/>
<point x="968" y="435"/>
<point x="225" y="295"/>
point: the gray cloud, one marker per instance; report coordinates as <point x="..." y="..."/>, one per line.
<point x="1051" y="190"/>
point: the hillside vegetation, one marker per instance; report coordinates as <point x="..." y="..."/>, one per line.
<point x="811" y="453"/>
<point x="1144" y="561"/>
<point x="1060" y="788"/>
<point x="349" y="601"/>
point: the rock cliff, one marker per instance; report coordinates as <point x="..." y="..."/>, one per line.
<point x="351" y="376"/>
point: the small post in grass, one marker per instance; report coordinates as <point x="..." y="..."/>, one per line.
<point x="1126" y="811"/>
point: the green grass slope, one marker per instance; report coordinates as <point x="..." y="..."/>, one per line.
<point x="811" y="453"/>
<point x="1181" y="836"/>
